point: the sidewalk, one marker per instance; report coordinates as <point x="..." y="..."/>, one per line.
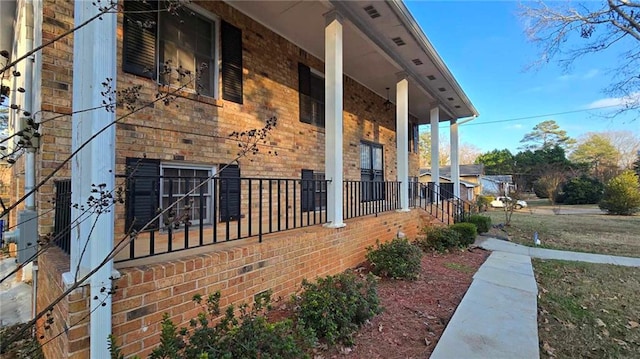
<point x="497" y="318"/>
<point x="494" y="244"/>
<point x="15" y="297"/>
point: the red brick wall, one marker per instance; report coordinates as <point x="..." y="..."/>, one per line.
<point x="241" y="270"/>
<point x="52" y="263"/>
<point x="238" y="269"/>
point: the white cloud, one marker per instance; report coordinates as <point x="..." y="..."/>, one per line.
<point x="633" y="98"/>
<point x="517" y="126"/>
<point x="591" y="74"/>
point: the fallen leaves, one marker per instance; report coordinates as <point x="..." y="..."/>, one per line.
<point x="548" y="349"/>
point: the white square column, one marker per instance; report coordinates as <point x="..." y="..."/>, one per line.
<point x="333" y="118"/>
<point x="435" y="145"/>
<point x="455" y="158"/>
<point x="402" y="138"/>
<point x="93" y="168"/>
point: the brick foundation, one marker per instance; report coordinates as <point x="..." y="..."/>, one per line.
<point x="238" y="269"/>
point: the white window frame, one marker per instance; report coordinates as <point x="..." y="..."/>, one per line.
<point x="211" y="196"/>
<point x="217" y="59"/>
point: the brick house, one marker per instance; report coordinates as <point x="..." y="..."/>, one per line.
<point x="349" y="83"/>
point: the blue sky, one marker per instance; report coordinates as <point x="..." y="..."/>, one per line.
<point x="484" y="46"/>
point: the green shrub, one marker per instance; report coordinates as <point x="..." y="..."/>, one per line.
<point x="248" y="335"/>
<point x="335" y="306"/>
<point x="396" y="259"/>
<point x="483" y="223"/>
<point x="439" y="239"/>
<point x="467" y="231"/>
<point x="581" y="190"/>
<point x="622" y="194"/>
<point x="483" y="202"/>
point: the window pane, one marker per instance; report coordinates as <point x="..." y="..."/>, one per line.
<point x="317" y="87"/>
<point x="365" y="156"/>
<point x="170" y="172"/>
<point x="377" y="158"/>
<point x="204" y="73"/>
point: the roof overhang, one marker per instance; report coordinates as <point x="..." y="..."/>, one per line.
<point x="380" y="40"/>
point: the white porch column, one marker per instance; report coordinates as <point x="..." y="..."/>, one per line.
<point x="333" y="117"/>
<point x="455" y="158"/>
<point x="92" y="233"/>
<point x="402" y="138"/>
<point x="435" y="145"/>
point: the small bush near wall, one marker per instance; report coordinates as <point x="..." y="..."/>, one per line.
<point x="439" y="239"/>
<point x="483" y="223"/>
<point x="398" y="259"/>
<point x="248" y="335"/>
<point x="336" y="306"/>
<point x="467" y="231"/>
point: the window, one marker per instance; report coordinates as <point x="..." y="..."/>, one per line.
<point x="311" y="89"/>
<point x="152" y="185"/>
<point x="314" y="191"/>
<point x="175" y="47"/>
<point x="371" y="171"/>
<point x="186" y="48"/>
<point x="177" y="181"/>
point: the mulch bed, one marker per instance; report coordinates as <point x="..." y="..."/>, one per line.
<point x="415" y="312"/>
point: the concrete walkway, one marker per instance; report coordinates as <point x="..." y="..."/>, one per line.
<point x="15" y="297"/>
<point x="494" y="244"/>
<point x="497" y="318"/>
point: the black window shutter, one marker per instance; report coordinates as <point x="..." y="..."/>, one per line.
<point x="139" y="40"/>
<point x="231" y="63"/>
<point x="304" y="89"/>
<point x="308" y="191"/>
<point x="143" y="190"/>
<point x="229" y="193"/>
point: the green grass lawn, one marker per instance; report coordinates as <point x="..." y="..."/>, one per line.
<point x="588" y="310"/>
<point x="594" y="233"/>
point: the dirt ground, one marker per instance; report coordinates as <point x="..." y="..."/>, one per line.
<point x="415" y="312"/>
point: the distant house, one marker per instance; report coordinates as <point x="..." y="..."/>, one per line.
<point x="496" y="184"/>
<point x="470" y="179"/>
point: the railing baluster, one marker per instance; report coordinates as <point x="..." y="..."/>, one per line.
<point x="279" y="213"/>
<point x="260" y="212"/>
<point x="250" y="219"/>
<point x="286" y="200"/>
<point x="270" y="206"/>
<point x="215" y="204"/>
<point x="239" y="221"/>
<point x="170" y="231"/>
<point x="201" y="213"/>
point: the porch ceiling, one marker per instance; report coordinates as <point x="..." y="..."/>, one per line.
<point x="371" y="56"/>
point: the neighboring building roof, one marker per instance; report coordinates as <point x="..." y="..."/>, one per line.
<point x="465" y="170"/>
<point x="465" y="183"/>
<point x="498" y="178"/>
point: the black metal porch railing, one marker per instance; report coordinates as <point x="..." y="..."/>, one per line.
<point x="362" y="198"/>
<point x="220" y="210"/>
<point x="227" y="209"/>
<point x="62" y="218"/>
<point x="438" y="202"/>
